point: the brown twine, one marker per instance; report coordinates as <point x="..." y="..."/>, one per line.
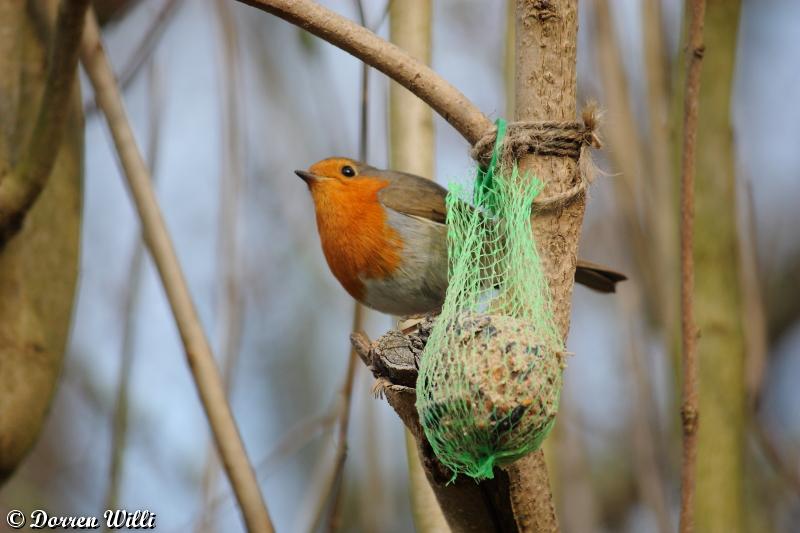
<point x="547" y="138"/>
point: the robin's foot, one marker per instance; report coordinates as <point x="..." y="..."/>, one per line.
<point x="380" y="385"/>
<point x="409" y="323"/>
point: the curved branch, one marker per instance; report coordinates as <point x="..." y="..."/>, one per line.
<point x="415" y="76"/>
<point x="20" y="189"/>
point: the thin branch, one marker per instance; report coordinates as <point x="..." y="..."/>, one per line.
<point x="648" y="475"/>
<point x="358" y="314"/>
<point x="414" y="75"/>
<point x="144" y="51"/>
<point x="786" y="470"/>
<point x="689" y="333"/>
<point x="577" y="499"/>
<point x="375" y="27"/>
<point x="363" y="124"/>
<point x="625" y="146"/>
<point x="755" y="332"/>
<point x="121" y="404"/>
<point x="291" y="442"/>
<point x="230" y="184"/>
<point x="22" y="186"/>
<point x="411" y="149"/>
<point x="333" y="478"/>
<point x="198" y="352"/>
<point x="659" y="191"/>
<point x="754" y="317"/>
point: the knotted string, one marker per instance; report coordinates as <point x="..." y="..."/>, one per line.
<point x="506" y="143"/>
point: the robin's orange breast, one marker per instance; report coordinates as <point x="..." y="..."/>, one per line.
<point x="357" y="241"/>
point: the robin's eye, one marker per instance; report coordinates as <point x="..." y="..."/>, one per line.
<point x="348" y="171"/>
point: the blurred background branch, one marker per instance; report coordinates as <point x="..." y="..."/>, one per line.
<point x="131" y="301"/>
<point x="231" y="300"/>
<point x="198" y="352"/>
<point x="412" y="146"/>
<point x="21" y="186"/>
<point x="41" y="160"/>
<point x="145" y="49"/>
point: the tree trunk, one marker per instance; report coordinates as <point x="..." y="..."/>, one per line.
<point x="546" y="43"/>
<point x="411" y="138"/>
<point x="719" y="495"/>
<point x="39" y="265"/>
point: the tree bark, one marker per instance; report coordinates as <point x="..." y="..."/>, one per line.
<point x="39" y="265"/>
<point x="411" y="149"/>
<point x="546" y="44"/>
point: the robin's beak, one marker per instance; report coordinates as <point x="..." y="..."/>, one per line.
<point x="308" y="177"/>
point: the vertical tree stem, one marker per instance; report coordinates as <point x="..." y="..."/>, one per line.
<point x="231" y="306"/>
<point x="721" y="501"/>
<point x="358" y="318"/>
<point x="411" y="149"/>
<point x="198" y="352"/>
<point x="659" y="189"/>
<point x="689" y="410"/>
<point x="546" y="44"/>
<point x="345" y="406"/>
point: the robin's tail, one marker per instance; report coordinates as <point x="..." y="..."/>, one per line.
<point x="597" y="277"/>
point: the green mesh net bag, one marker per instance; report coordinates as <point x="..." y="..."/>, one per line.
<point x="490" y="375"/>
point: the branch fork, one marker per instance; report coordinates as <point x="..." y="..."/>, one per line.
<point x="467" y="505"/>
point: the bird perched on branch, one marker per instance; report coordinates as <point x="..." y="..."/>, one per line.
<point x="384" y="236"/>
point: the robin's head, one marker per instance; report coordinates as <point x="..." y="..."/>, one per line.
<point x="337" y="172"/>
<point x="341" y="180"/>
<point x="357" y="241"/>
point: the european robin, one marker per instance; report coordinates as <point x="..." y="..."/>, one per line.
<point x="384" y="236"/>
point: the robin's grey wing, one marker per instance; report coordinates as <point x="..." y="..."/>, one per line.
<point x="415" y="196"/>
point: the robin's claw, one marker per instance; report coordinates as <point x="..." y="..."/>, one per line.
<point x="378" y="388"/>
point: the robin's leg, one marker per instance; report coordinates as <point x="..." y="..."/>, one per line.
<point x="409" y="323"/>
<point x="380" y="385"/>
